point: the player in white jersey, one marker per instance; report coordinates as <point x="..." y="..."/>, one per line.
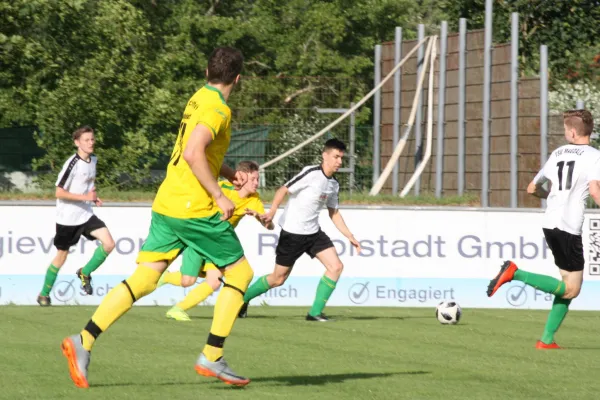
<point x="310" y="191"/>
<point x="574" y="173"/>
<point x="75" y="194"/>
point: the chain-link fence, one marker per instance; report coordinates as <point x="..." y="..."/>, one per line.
<point x="266" y="141"/>
<point x="270" y="115"/>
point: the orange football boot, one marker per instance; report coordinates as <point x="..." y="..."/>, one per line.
<point x="506" y="274"/>
<point x="78" y="359"/>
<point x="543" y="346"/>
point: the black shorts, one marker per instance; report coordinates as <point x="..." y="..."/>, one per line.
<point x="291" y="246"/>
<point x="567" y="249"/>
<point x="67" y="235"/>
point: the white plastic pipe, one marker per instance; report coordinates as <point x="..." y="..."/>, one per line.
<point x="423" y="163"/>
<point x="347" y="113"/>
<point x="411" y="119"/>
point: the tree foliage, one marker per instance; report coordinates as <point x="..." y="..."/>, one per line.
<point x="569" y="28"/>
<point x="565" y="95"/>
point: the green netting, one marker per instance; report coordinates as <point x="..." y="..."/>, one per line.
<point x="248" y="144"/>
<point x="18" y="148"/>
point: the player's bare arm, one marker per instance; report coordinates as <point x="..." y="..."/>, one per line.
<point x="195" y="155"/>
<point x="537" y="189"/>
<point x="340" y="224"/>
<point x="259" y="217"/>
<point x="237" y="178"/>
<point x="63" y="194"/>
<point x="595" y="191"/>
<point x="277" y="199"/>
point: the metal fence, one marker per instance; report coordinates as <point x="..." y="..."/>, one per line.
<point x="263" y="142"/>
<point x="493" y="128"/>
<point x="269" y="116"/>
<point x="273" y="114"/>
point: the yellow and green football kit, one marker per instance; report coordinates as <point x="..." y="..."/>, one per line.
<point x="194" y="264"/>
<point x="192" y="261"/>
<point x="184" y="214"/>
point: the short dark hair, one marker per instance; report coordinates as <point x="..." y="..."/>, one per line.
<point x="81" y="130"/>
<point x="580" y="120"/>
<point x="247" y="166"/>
<point x="334" y="144"/>
<point x="224" y="65"/>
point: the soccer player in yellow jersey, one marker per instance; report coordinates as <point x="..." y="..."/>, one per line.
<point x="247" y="202"/>
<point x="189" y="211"/>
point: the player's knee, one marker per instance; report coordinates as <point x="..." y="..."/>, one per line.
<point x="60" y="258"/>
<point x="337" y="268"/>
<point x="278" y="280"/>
<point x="571" y="292"/>
<point x="214" y="283"/>
<point x="141" y="283"/>
<point x="108" y="245"/>
<point x="240" y="275"/>
<point x="187" y="281"/>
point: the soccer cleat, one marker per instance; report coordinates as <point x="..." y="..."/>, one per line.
<point x="220" y="370"/>
<point x="44" y="301"/>
<point x="506" y="274"/>
<point x="86" y="282"/>
<point x="543" y="346"/>
<point x="78" y="359"/>
<point x="319" y="318"/>
<point x="178" y="314"/>
<point x="243" y="313"/>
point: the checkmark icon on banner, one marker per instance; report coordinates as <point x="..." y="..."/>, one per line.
<point x="68" y="287"/>
<point x="359" y="293"/>
<point x="515" y="297"/>
<point x="362" y="290"/>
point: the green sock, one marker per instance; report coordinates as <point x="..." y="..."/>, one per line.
<point x="324" y="290"/>
<point x="559" y="311"/>
<point x="51" y="275"/>
<point x="96" y="261"/>
<point x="544" y="283"/>
<point x="259" y="287"/>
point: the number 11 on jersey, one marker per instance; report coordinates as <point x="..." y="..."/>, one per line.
<point x="570" y="167"/>
<point x="179" y="145"/>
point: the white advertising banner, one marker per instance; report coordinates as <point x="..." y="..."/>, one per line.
<point x="411" y="257"/>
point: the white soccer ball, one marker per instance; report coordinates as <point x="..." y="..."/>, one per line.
<point x="448" y="312"/>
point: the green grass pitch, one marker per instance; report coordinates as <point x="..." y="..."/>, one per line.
<point x="367" y="353"/>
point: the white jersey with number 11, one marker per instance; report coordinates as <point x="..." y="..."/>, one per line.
<point x="570" y="169"/>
